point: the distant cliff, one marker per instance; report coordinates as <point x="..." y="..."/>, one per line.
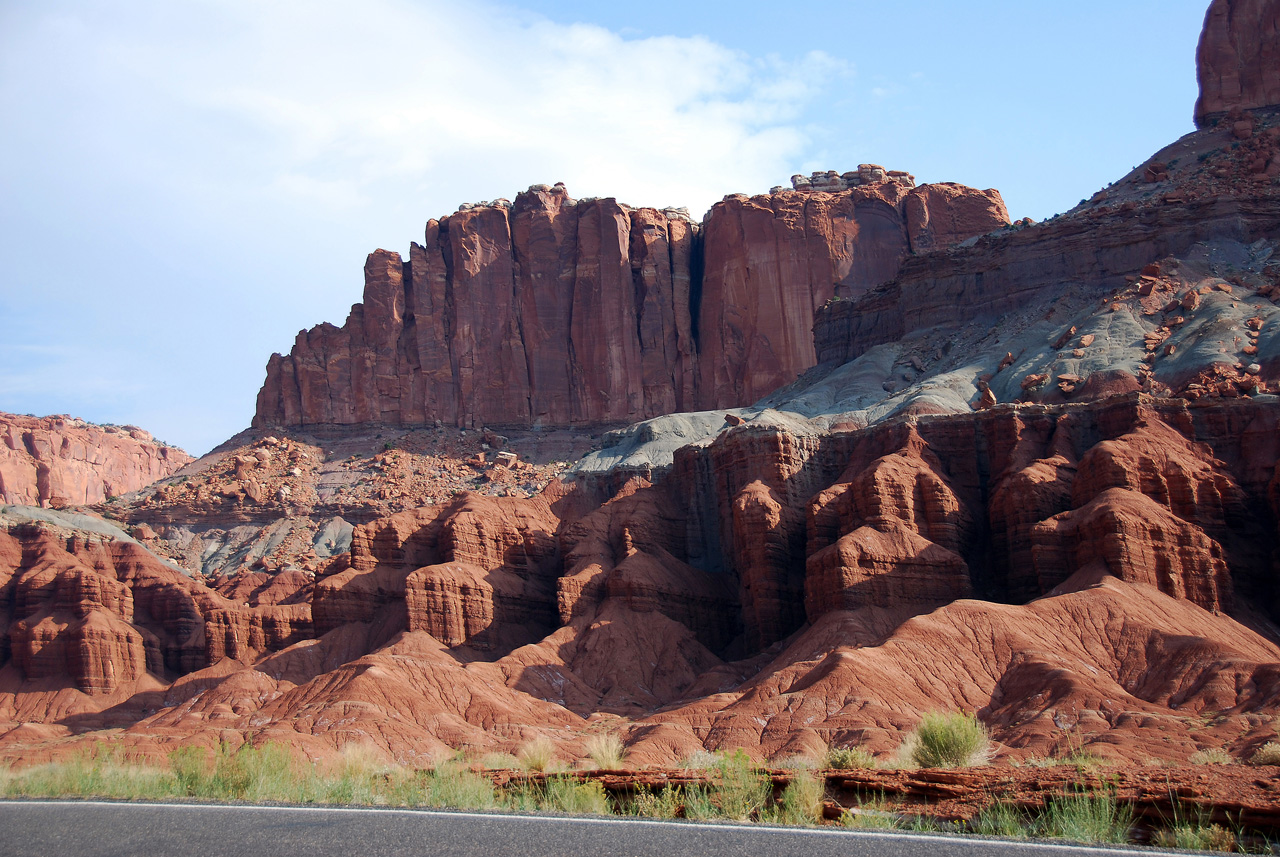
<point x="551" y="311"/>
<point x="1238" y="59"/>
<point x="56" y="461"/>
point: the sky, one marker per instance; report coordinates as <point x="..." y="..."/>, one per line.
<point x="185" y="186"/>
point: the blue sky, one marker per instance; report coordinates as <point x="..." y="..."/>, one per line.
<point x="184" y="186"/>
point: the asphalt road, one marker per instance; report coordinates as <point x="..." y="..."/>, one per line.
<point x="104" y="829"/>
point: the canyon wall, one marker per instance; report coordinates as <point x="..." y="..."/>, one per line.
<point x="58" y="461"/>
<point x="556" y="312"/>
<point x="1238" y="60"/>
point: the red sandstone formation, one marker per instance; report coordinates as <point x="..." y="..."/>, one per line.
<point x="1090" y="567"/>
<point x="440" y="626"/>
<point x="556" y="312"/>
<point x="1238" y="60"/>
<point x="61" y="461"/>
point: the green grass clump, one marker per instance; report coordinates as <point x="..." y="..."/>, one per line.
<point x="267" y="773"/>
<point x="848" y="758"/>
<point x="947" y="740"/>
<point x="537" y="755"/>
<point x="1000" y="819"/>
<point x="1190" y="830"/>
<point x="577" y="798"/>
<point x="800" y="802"/>
<point x="606" y="752"/>
<point x="1087" y="817"/>
<point x="737" y="791"/>
<point x="558" y="794"/>
<point x="1268" y="754"/>
<point x="1194" y="837"/>
<point x="452" y="786"/>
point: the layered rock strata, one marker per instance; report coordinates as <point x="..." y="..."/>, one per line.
<point x="554" y="312"/>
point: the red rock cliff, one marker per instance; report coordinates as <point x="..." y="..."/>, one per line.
<point x="1238" y="60"/>
<point x="60" y="461"/>
<point x="553" y="311"/>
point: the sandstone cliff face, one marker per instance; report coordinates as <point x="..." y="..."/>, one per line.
<point x="1004" y="505"/>
<point x="1096" y="562"/>
<point x="556" y="312"/>
<point x="1238" y="60"/>
<point x="61" y="461"/>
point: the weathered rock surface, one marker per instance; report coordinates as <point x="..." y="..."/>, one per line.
<point x="555" y="312"/>
<point x="62" y="461"/>
<point x="1036" y="476"/>
<point x="1238" y="60"/>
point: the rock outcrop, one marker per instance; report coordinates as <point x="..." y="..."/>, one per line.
<point x="1035" y="475"/>
<point x="1238" y="60"/>
<point x="556" y="312"/>
<point x="62" y="461"/>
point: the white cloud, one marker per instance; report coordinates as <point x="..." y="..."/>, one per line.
<point x="209" y="174"/>
<point x="320" y="101"/>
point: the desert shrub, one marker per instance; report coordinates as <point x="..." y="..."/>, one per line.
<point x="606" y="752"/>
<point x="847" y="758"/>
<point x="98" y="772"/>
<point x="537" y="755"/>
<point x="1195" y="837"/>
<point x="1268" y="754"/>
<point x="801" y="800"/>
<point x="947" y="740"/>
<point x="699" y="804"/>
<point x="269" y="772"/>
<point x="358" y="775"/>
<point x="738" y="788"/>
<point x="1211" y="756"/>
<point x="736" y="791"/>
<point x="663" y="804"/>
<point x="453" y="786"/>
<point x="558" y="794"/>
<point x="1087" y="817"/>
<point x="563" y="794"/>
<point x="1000" y="819"/>
<point x="700" y="760"/>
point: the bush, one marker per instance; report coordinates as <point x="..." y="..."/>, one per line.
<point x="563" y="794"/>
<point x="1268" y="754"/>
<point x="663" y="804"/>
<point x="1093" y="817"/>
<point x="738" y="789"/>
<point x="1193" y="837"/>
<point x="848" y="758"/>
<point x="606" y="752"/>
<point x="948" y="740"/>
<point x="1211" y="756"/>
<point x="453" y="786"/>
<point x="537" y="755"/>
<point x="801" y="801"/>
<point x="700" y="760"/>
<point x="736" y="792"/>
<point x="1000" y="819"/>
